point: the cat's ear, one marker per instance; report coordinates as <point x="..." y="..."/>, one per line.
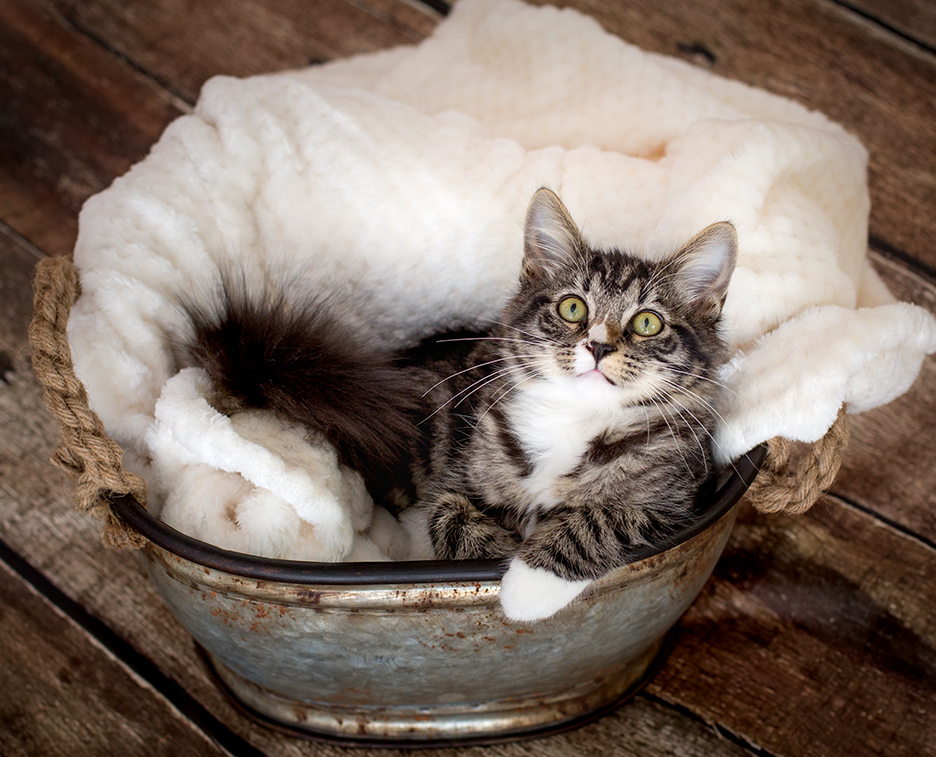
<point x="705" y="265"/>
<point x="550" y="236"/>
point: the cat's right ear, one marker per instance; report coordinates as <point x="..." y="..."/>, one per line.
<point x="550" y="237"/>
<point x="705" y="265"/>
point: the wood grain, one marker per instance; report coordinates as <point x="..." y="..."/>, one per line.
<point x="817" y="636"/>
<point x="74" y="117"/>
<point x="64" y="695"/>
<point x="912" y="18"/>
<point x="182" y="44"/>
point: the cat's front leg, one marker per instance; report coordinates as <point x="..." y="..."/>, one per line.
<point x="460" y="531"/>
<point x="529" y="593"/>
<point x="570" y="548"/>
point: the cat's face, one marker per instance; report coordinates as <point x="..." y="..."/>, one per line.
<point x="611" y="322"/>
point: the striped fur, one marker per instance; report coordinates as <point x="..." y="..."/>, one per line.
<point x="580" y="466"/>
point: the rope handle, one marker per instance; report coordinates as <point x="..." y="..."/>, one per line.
<point x="87" y="454"/>
<point x="782" y="488"/>
<point x="94" y="460"/>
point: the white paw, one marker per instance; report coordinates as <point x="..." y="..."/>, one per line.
<point x="534" y="593"/>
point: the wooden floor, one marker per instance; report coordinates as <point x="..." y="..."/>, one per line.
<point x="815" y="636"/>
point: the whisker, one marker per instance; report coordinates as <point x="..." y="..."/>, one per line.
<point x="542" y="337"/>
<point x="481" y="382"/>
<point x="655" y="278"/>
<point x="482" y="365"/>
<point x="697" y="397"/>
<point x="709" y="407"/>
<point x="489" y="339"/>
<point x="717" y="383"/>
<point x="504" y="373"/>
<point x="504" y="394"/>
<point x="672" y="434"/>
<point x="692" y="430"/>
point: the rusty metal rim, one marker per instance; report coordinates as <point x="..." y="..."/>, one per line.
<point x="721" y="494"/>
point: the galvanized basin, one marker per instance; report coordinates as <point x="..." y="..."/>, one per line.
<point x="412" y="653"/>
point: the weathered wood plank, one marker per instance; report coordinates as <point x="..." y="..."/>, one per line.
<point x="182" y="44"/>
<point x="62" y="694"/>
<point x="816" y="636"/>
<point x="818" y="53"/>
<point x="74" y="117"/>
<point x="916" y="19"/>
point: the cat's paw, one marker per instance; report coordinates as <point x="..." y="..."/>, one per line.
<point x="534" y="593"/>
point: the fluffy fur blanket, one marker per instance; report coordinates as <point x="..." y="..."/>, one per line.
<point x="402" y="178"/>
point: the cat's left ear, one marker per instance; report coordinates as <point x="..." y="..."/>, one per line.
<point x="705" y="266"/>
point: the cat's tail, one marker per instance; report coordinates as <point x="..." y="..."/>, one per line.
<point x="298" y="357"/>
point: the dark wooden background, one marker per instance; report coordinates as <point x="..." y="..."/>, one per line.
<point x="815" y="636"/>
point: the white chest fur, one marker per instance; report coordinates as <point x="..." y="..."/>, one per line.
<point x="555" y="419"/>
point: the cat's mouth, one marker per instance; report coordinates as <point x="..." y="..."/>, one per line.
<point x="595" y="374"/>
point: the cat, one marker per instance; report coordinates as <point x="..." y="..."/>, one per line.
<point x="575" y="429"/>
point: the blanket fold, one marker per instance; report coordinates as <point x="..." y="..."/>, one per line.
<point x="401" y="178"/>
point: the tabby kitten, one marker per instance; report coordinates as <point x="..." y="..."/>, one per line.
<point x="573" y="431"/>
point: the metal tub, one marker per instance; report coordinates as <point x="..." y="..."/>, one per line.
<point x="418" y="653"/>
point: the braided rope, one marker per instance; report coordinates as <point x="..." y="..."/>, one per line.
<point x="780" y="488"/>
<point x="94" y="460"/>
<point x="87" y="454"/>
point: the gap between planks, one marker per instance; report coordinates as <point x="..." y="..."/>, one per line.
<point x="136" y="663"/>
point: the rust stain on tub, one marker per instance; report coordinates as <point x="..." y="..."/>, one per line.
<point x="312" y="596"/>
<point x="225" y="616"/>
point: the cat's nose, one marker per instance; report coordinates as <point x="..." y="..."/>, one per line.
<point x="599" y="349"/>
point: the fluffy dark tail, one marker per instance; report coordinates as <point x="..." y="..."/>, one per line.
<point x="299" y="359"/>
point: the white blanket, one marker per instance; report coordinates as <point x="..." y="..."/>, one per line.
<point x="403" y="177"/>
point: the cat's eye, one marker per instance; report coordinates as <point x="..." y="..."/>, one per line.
<point x="646" y="323"/>
<point x="573" y="310"/>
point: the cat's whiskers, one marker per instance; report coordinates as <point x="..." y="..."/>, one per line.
<point x="539" y="337"/>
<point x="659" y="407"/>
<point x="481" y="383"/>
<point x="711" y="408"/>
<point x="655" y="278"/>
<point x="717" y="383"/>
<point x="491" y="339"/>
<point x="692" y="430"/>
<point x="481" y="365"/>
<point x="506" y="375"/>
<point x="697" y="397"/>
<point x="634" y="365"/>
<point x="514" y="385"/>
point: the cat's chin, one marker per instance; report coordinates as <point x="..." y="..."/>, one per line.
<point x="529" y="594"/>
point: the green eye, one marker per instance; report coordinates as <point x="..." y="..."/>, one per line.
<point x="573" y="310"/>
<point x="646" y="323"/>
